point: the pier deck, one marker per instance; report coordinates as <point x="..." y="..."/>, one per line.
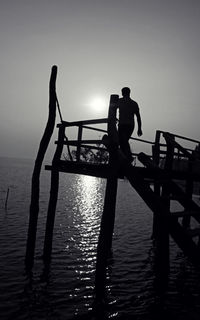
<point x="171" y="172"/>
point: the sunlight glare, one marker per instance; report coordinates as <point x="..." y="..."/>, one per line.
<point x="98" y="104"/>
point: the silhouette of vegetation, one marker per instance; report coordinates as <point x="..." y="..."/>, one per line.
<point x="91" y="155"/>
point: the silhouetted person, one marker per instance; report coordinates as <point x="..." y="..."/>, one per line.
<point x="128" y="108"/>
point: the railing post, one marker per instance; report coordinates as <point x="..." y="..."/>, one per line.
<point x="78" y="150"/>
<point x="169" y="154"/>
<point x="156" y="159"/>
<point x="156" y="148"/>
<point x="108" y="216"/>
<point x="53" y="197"/>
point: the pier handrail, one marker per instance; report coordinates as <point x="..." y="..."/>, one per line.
<point x="160" y="149"/>
<point x="89" y="143"/>
<point x="82" y="122"/>
<point x="170" y="139"/>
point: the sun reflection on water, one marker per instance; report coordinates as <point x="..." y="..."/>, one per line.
<point x="89" y="205"/>
<point x="87" y="208"/>
<point x="86" y="197"/>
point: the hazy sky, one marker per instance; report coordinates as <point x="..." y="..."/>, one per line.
<point x="152" y="46"/>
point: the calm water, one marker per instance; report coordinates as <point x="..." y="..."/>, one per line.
<point x="67" y="291"/>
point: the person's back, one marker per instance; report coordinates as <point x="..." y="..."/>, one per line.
<point x="127" y="109"/>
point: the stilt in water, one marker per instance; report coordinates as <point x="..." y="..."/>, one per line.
<point x="35" y="188"/>
<point x="6" y="202"/>
<point x="108" y="216"/>
<point x="53" y="199"/>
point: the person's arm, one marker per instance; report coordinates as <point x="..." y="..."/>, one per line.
<point x="139" y="121"/>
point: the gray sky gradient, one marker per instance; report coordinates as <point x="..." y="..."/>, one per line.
<point x="152" y="46"/>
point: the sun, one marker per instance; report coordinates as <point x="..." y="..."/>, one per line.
<point x="98" y="104"/>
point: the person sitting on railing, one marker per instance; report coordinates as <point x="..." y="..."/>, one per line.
<point x="128" y="108"/>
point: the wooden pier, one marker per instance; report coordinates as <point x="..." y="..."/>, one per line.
<point x="171" y="172"/>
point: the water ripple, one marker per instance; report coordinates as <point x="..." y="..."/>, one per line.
<point x="66" y="290"/>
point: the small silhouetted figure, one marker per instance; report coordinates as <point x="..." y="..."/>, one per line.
<point x="128" y="108"/>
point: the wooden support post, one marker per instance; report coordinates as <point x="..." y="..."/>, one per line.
<point x="53" y="198"/>
<point x="168" y="168"/>
<point x="161" y="216"/>
<point x="159" y="207"/>
<point x="51" y="216"/>
<point x="189" y="193"/>
<point x="35" y="188"/>
<point x="112" y="130"/>
<point x="162" y="228"/>
<point x="108" y="216"/>
<point x="161" y="219"/>
<point x="185" y="242"/>
<point x="157" y="186"/>
<point x="162" y="263"/>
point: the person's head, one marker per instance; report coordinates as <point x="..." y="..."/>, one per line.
<point x="126" y="92"/>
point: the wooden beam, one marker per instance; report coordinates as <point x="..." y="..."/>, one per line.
<point x="184" y="241"/>
<point x="85" y="168"/>
<point x="170" y="139"/>
<point x="76" y="142"/>
<point x="82" y="122"/>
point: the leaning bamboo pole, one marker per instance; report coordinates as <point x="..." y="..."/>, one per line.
<point x="35" y="187"/>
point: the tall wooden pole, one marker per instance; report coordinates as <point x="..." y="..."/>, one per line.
<point x="53" y="198"/>
<point x="35" y="188"/>
<point x="108" y="216"/>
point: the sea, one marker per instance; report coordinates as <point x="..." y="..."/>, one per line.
<point x="66" y="290"/>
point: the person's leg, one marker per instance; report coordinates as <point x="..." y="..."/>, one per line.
<point x="125" y="133"/>
<point x="123" y="139"/>
<point x="129" y="132"/>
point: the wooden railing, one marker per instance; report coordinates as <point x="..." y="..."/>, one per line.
<point x="170" y="147"/>
<point x="167" y="147"/>
<point x="92" y="144"/>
